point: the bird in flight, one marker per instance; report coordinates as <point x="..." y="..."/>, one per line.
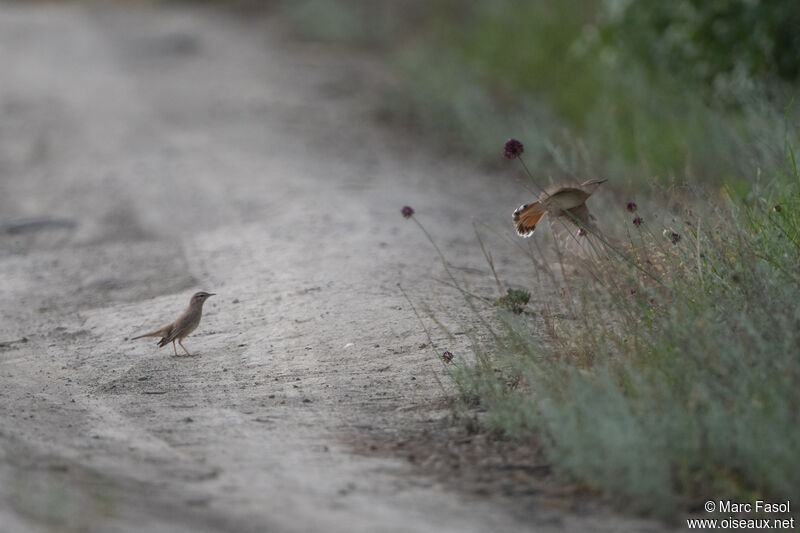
<point x="564" y="203"/>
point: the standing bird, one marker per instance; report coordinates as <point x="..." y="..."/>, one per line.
<point x="183" y="325"/>
<point x="562" y="203"/>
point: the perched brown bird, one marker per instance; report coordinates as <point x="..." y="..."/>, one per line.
<point x="562" y="203"/>
<point x="183" y="325"/>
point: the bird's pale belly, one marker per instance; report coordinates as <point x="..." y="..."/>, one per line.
<point x="185" y="328"/>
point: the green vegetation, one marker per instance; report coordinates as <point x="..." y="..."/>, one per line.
<point x="661" y="393"/>
<point x="664" y="393"/>
<point x="631" y="90"/>
<point x="514" y="300"/>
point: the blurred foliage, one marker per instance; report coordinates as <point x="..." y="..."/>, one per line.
<point x="707" y="40"/>
<point x="684" y="90"/>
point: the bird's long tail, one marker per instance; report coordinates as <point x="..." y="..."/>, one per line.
<point x="156" y="333"/>
<point x="527" y="216"/>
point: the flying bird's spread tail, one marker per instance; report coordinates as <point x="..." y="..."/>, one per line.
<point x="527" y="216"/>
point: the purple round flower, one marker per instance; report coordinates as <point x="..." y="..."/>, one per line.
<point x="637" y="221"/>
<point x="513" y="149"/>
<point x="407" y="211"/>
<point x="631" y="207"/>
<point x="447" y="356"/>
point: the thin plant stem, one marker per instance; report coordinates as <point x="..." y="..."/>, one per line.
<point x="456" y="284"/>
<point x="488" y="258"/>
<point x="419" y="318"/>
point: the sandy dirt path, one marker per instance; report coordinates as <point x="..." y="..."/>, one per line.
<point x="146" y="154"/>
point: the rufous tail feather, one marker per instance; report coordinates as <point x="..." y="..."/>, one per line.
<point x="527" y="216"/>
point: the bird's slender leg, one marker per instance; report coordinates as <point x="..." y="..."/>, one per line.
<point x="184" y="349"/>
<point x="175" y="349"/>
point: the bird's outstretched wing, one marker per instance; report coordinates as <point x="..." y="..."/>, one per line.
<point x="574" y="230"/>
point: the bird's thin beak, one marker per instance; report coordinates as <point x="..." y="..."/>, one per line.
<point x="212" y="293"/>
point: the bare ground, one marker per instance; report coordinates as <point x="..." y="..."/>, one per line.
<point x="147" y="153"/>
